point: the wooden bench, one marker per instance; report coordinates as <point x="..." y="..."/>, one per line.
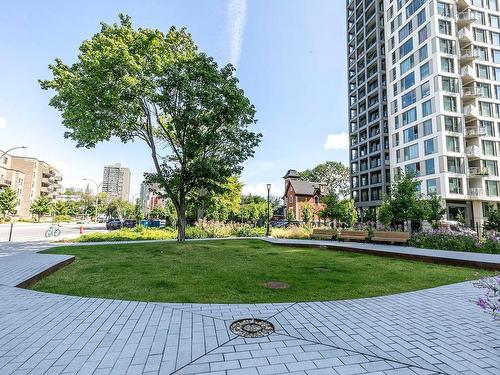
<point x="356" y="235"/>
<point x="390" y="237"/>
<point x="323" y="233"/>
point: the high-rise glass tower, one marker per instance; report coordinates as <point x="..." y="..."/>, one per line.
<point x="368" y="129"/>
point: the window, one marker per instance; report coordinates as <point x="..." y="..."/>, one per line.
<point x="445" y="27"/>
<point x="488" y="127"/>
<point x="409" y="116"/>
<point x="492" y="188"/>
<point x="491" y="166"/>
<point x="453" y="165"/>
<point x="495" y="38"/>
<point x="496" y="56"/>
<point x="450" y="103"/>
<point x="489" y="148"/>
<point x="423" y="53"/>
<point x="452" y="144"/>
<point x="406" y="65"/>
<point x="444" y="9"/>
<point x="408" y="81"/>
<point x="451" y="124"/>
<point x="447" y="65"/>
<point x="408" y="99"/>
<point x="449" y="84"/>
<point x="424" y="71"/>
<point x="410" y="134"/>
<point x="446" y="46"/>
<point x="431" y="186"/>
<point x="494" y="21"/>
<point x="426" y="108"/>
<point x="485" y="109"/>
<point x="430" y="146"/>
<point x="423" y="34"/>
<point x="425" y="89"/>
<point x="410" y="152"/>
<point x="482" y="71"/>
<point x="429" y="166"/>
<point x="427" y="127"/>
<point x="480" y="35"/>
<point x="455" y="185"/>
<point x="406" y="47"/>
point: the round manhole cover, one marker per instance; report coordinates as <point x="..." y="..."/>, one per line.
<point x="252" y="328"/>
<point x="276" y="285"/>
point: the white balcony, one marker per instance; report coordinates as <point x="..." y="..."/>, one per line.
<point x="463" y="5"/>
<point x="473" y="152"/>
<point x="475" y="131"/>
<point x="478" y="172"/>
<point x="467" y="55"/>
<point x="475" y="193"/>
<point x="470" y="93"/>
<point x="470" y="112"/>
<point x="465" y="18"/>
<point x="465" y="36"/>
<point x="468" y="74"/>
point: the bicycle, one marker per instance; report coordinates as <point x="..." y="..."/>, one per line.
<point x="53" y="231"/>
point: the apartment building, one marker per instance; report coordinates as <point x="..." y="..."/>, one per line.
<point x="443" y="64"/>
<point x="116" y="181"/>
<point x="12" y="178"/>
<point x="151" y="196"/>
<point x="368" y="125"/>
<point x="30" y="178"/>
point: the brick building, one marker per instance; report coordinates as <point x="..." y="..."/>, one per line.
<point x="299" y="192"/>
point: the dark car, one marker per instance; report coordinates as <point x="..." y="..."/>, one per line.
<point x="129" y="223"/>
<point x="113" y="224"/>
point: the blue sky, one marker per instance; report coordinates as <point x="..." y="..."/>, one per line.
<point x="290" y="58"/>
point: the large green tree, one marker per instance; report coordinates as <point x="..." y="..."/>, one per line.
<point x="7" y="201"/>
<point x="333" y="173"/>
<point x="143" y="84"/>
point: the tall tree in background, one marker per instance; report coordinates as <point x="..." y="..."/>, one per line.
<point x="333" y="173"/>
<point x="7" y="201"/>
<point x="143" y="84"/>
<point x="339" y="210"/>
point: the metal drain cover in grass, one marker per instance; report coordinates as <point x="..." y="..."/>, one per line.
<point x="276" y="285"/>
<point x="251" y="328"/>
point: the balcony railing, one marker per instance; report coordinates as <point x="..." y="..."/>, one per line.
<point x="465" y="36"/>
<point x="466" y="18"/>
<point x="478" y="172"/>
<point x="471" y="93"/>
<point x="467" y="73"/>
<point x="5" y="182"/>
<point x="470" y="111"/>
<point x="475" y="192"/>
<point x="475" y="131"/>
<point x="468" y="54"/>
<point x="473" y="151"/>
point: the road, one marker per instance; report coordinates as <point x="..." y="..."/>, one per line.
<point x="36" y="232"/>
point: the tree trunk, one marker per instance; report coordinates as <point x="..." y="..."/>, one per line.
<point x="181" y="226"/>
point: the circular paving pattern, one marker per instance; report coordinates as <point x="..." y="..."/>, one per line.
<point x="276" y="285"/>
<point x="251" y="328"/>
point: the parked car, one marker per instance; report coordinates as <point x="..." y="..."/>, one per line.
<point x="113" y="224"/>
<point x="129" y="223"/>
<point x="279" y="224"/>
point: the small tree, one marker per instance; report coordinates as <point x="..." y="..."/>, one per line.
<point x="341" y="211"/>
<point x="307" y="212"/>
<point x="7" y="201"/>
<point x="385" y="212"/>
<point x="492" y="220"/>
<point x="290" y="216"/>
<point x="434" y="210"/>
<point x="41" y="206"/>
<point x="157" y="212"/>
<point x="137" y="213"/>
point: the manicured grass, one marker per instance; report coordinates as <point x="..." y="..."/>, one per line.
<point x="234" y="271"/>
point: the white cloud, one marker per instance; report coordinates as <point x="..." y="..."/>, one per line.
<point x="337" y="141"/>
<point x="237" y="14"/>
<point x="261" y="189"/>
<point x="3" y="123"/>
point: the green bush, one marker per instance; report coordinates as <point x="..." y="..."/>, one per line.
<point x="445" y="240"/>
<point x="299" y="233"/>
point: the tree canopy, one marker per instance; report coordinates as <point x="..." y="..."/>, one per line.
<point x="333" y="173"/>
<point x="144" y="84"/>
<point x="7" y="201"/>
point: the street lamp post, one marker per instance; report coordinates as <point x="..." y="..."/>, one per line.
<point x="97" y="186"/>
<point x="11" y="149"/>
<point x="268" y="206"/>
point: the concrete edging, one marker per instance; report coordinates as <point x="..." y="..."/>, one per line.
<point x="46" y="272"/>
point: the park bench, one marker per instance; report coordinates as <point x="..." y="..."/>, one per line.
<point x="356" y="235"/>
<point x="323" y="233"/>
<point x="390" y="237"/>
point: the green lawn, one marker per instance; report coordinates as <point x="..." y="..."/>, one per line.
<point x="234" y="271"/>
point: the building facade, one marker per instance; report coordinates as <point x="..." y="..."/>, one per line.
<point x="30" y="178"/>
<point x="299" y="193"/>
<point x="444" y="93"/>
<point x="368" y="126"/>
<point x="442" y="72"/>
<point x="151" y="197"/>
<point x="116" y="181"/>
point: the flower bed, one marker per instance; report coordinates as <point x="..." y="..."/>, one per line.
<point x="446" y="240"/>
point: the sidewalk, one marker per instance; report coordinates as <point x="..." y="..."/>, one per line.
<point x="461" y="258"/>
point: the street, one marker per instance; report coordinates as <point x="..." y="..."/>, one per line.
<point x="36" y="231"/>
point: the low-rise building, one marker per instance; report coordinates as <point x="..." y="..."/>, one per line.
<point x="30" y="178"/>
<point x="298" y="193"/>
